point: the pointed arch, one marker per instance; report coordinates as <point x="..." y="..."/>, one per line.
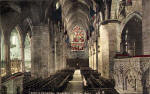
<point x="27" y="53"/>
<point x="15" y="50"/>
<point x="131" y="35"/>
<point x="128" y="18"/>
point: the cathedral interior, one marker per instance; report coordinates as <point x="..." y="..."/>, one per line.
<point x="74" y="46"/>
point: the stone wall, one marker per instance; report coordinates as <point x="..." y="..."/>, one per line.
<point x="132" y="75"/>
<point x="146" y="27"/>
<point x="13" y="84"/>
<point x="116" y="8"/>
<point x="136" y="6"/>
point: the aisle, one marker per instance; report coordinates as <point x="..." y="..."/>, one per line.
<point x="76" y="84"/>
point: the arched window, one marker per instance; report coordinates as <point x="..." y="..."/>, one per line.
<point x="132" y="37"/>
<point x="15" y="51"/>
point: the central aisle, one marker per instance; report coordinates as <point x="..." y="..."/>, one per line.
<point x="76" y="84"/>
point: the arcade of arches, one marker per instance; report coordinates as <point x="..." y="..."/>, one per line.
<point x="75" y="46"/>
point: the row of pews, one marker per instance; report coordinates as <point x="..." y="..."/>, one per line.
<point x="54" y="83"/>
<point x="94" y="83"/>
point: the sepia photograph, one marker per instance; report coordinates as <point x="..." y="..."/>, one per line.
<point x="74" y="47"/>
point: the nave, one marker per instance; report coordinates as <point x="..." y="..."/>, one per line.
<point x="71" y="80"/>
<point x="75" y="46"/>
<point x="83" y="80"/>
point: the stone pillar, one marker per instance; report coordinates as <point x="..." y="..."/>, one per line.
<point x="146" y="27"/>
<point x="58" y="52"/>
<point x="40" y="51"/>
<point x="7" y="54"/>
<point x="61" y="50"/>
<point x="119" y="44"/>
<point x="64" y="53"/>
<point x="22" y="57"/>
<point x="51" y="63"/>
<point x="0" y="61"/>
<point x="93" y="52"/>
<point x="108" y="49"/>
<point x="99" y="56"/>
<point x="92" y="59"/>
<point x="94" y="55"/>
<point x="89" y="56"/>
<point x="55" y="46"/>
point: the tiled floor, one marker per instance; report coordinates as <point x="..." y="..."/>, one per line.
<point x="76" y="84"/>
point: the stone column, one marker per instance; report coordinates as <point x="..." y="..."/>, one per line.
<point x="89" y="56"/>
<point x="22" y="57"/>
<point x="91" y="61"/>
<point x="55" y="46"/>
<point x="40" y="51"/>
<point x="108" y="49"/>
<point x="92" y="56"/>
<point x="51" y="63"/>
<point x="61" y="50"/>
<point x="7" y="54"/>
<point x="0" y="61"/>
<point x="99" y="56"/>
<point x="93" y="52"/>
<point x="64" y="54"/>
<point x="94" y="47"/>
<point x="58" y="50"/>
<point x="51" y="55"/>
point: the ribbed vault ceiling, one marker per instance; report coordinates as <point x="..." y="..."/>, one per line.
<point x="73" y="12"/>
<point x="76" y="12"/>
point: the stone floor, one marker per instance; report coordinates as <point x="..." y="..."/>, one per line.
<point x="76" y="84"/>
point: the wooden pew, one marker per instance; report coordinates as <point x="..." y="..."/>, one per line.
<point x="54" y="83"/>
<point x="96" y="83"/>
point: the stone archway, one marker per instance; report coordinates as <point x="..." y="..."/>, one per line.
<point x="15" y="51"/>
<point x="131" y="35"/>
